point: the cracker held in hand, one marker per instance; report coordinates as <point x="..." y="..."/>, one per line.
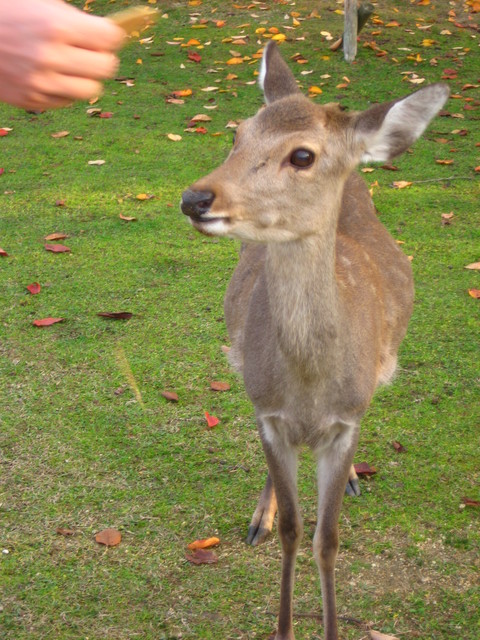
<point x="134" y="19"/>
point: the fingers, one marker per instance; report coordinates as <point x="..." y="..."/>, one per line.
<point x="70" y="88"/>
<point x="73" y="61"/>
<point x="91" y="32"/>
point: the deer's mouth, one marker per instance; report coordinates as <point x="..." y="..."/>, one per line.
<point x="211" y="225"/>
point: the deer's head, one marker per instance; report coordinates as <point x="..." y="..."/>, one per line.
<point x="284" y="177"/>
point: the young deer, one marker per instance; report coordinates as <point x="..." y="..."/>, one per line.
<point x="320" y="299"/>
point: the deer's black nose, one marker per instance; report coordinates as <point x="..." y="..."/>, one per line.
<point x="196" y="203"/>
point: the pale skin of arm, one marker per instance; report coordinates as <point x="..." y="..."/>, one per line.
<point x="52" y="53"/>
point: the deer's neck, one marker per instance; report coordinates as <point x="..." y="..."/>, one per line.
<point x="303" y="300"/>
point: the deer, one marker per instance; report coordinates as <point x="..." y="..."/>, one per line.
<point x="320" y="299"/>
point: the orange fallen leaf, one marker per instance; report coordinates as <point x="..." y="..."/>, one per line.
<point x="219" y="386"/>
<point x="182" y="93"/>
<point x="235" y="61"/>
<point x="205" y="543"/>
<point x="109" y="537"/>
<point x="402" y="184"/>
<point x="56" y="236"/>
<point x="47" y="322"/>
<point x="474" y="266"/>
<point x="444" y="161"/>
<point x="475" y="293"/>
<point x="212" y="421"/>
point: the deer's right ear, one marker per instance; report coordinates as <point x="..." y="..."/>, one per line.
<point x="386" y="130"/>
<point x="275" y="79"/>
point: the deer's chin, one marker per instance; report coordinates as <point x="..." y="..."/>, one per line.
<point x="219" y="226"/>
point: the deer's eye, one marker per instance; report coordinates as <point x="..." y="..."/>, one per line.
<point x="302" y="158"/>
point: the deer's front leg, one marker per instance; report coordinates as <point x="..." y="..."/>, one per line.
<point x="282" y="462"/>
<point x="264" y="515"/>
<point x="333" y="470"/>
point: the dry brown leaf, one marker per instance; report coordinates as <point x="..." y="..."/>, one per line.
<point x="376" y="635"/>
<point x="202" y="556"/>
<point x="170" y="395"/>
<point x="109" y="537"/>
<point x="60" y="134"/>
<point x="475" y="266"/>
<point x="219" y="386"/>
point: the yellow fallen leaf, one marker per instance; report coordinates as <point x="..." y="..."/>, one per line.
<point x="401" y="184"/>
<point x="174" y="137"/>
<point x="235" y="61"/>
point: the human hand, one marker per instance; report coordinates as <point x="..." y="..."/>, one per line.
<point x="52" y="53"/>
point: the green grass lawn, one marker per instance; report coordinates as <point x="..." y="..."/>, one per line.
<point x="78" y="448"/>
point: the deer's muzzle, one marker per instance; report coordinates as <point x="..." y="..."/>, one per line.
<point x="196" y="204"/>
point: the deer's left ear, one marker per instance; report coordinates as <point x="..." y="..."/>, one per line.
<point x="275" y="78"/>
<point x="386" y="130"/>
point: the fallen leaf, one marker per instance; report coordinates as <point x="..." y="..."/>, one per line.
<point x="109" y="537"/>
<point x="202" y="556"/>
<point x="144" y="196"/>
<point x="447" y="218"/>
<point x="57" y="248"/>
<point x="3" y="253"/>
<point x="399" y="448"/>
<point x="174" y="137"/>
<point x="475" y="293"/>
<point x="444" y="161"/>
<point x="212" y="421"/>
<point x="219" y="386"/>
<point x="468" y="502"/>
<point x="204" y="544"/>
<point x="3" y="132"/>
<point x="127" y="218"/>
<point x="56" y="236"/>
<point x="115" y="315"/>
<point x="182" y="93"/>
<point x="60" y="134"/>
<point x="34" y="288"/>
<point x="47" y="322"/>
<point x="401" y="184"/>
<point x="96" y="162"/>
<point x="65" y="532"/>
<point x="170" y="395"/>
<point x="376" y="635"/>
<point x="194" y="56"/>
<point x="364" y="469"/>
<point x="201" y="117"/>
<point x="389" y="167"/>
<point x="106" y="114"/>
<point x="474" y="266"/>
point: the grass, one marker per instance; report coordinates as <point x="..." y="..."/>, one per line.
<point x="79" y="451"/>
